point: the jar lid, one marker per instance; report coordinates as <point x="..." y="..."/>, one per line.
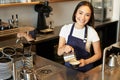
<point x="4" y="60"/>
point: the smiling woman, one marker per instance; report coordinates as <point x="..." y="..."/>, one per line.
<point x="79" y="36"/>
<point x="82" y="16"/>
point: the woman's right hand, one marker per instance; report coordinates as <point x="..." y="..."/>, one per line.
<point x="68" y="49"/>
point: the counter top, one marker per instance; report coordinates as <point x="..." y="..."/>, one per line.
<point x="64" y="73"/>
<point x="48" y="36"/>
<point x="11" y="39"/>
<point x="105" y="72"/>
<point x="59" y="72"/>
<point x="110" y="74"/>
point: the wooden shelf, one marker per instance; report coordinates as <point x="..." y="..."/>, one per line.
<point x="19" y="4"/>
<point x="31" y="3"/>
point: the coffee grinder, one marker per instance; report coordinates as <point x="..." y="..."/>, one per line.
<point x="43" y="10"/>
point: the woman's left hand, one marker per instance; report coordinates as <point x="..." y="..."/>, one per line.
<point x="82" y="62"/>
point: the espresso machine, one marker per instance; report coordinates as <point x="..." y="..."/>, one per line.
<point x="43" y="10"/>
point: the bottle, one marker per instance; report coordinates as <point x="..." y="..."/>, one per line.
<point x="16" y="21"/>
<point x="12" y="20"/>
<point x="0" y="21"/>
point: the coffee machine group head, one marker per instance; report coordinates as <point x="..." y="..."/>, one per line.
<point x="43" y="10"/>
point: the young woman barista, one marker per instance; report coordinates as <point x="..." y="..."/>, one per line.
<point x="79" y="36"/>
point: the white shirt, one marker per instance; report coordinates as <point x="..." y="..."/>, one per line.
<point x="92" y="35"/>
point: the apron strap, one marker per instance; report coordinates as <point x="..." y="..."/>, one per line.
<point x="72" y="29"/>
<point x="85" y="35"/>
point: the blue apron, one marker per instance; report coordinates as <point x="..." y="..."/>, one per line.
<point x="79" y="48"/>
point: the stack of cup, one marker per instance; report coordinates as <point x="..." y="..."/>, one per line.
<point x="28" y="57"/>
<point x="5" y="68"/>
<point x="28" y="60"/>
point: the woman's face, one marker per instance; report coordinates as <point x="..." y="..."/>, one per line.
<point x="83" y="15"/>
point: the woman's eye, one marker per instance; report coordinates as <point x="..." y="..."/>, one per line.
<point x="87" y="14"/>
<point x="80" y="12"/>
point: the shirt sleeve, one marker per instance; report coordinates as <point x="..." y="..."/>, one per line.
<point x="93" y="35"/>
<point x="65" y="31"/>
<point x="62" y="31"/>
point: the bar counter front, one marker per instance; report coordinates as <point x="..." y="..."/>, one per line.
<point x="50" y="70"/>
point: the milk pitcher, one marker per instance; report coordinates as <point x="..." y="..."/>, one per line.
<point x="112" y="60"/>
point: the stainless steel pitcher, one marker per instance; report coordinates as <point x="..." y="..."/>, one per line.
<point x="28" y="74"/>
<point x="68" y="56"/>
<point x="112" y="60"/>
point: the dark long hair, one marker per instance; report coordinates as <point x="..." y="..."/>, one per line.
<point x="85" y="3"/>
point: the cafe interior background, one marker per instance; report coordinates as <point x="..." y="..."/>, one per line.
<point x="61" y="14"/>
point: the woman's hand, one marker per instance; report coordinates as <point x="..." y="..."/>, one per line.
<point x="68" y="49"/>
<point x="82" y="62"/>
<point x="63" y="47"/>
